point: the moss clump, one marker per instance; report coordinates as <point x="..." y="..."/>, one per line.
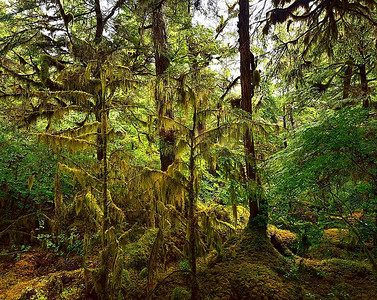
<point x="337" y="235"/>
<point x="349" y="268"/>
<point x="137" y="253"/>
<point x="143" y="273"/>
<point x="127" y="281"/>
<point x="283" y="240"/>
<point x="284" y="236"/>
<point x="179" y="293"/>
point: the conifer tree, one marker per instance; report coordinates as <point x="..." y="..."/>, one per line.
<point x="163" y="97"/>
<point x="79" y="76"/>
<point x="257" y="205"/>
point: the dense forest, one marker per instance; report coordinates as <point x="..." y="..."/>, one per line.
<point x="188" y="149"/>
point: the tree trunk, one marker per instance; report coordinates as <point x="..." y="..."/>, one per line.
<point x="192" y="202"/>
<point x="164" y="105"/>
<point x="347" y="80"/>
<point x="285" y="125"/>
<point x="100" y="23"/>
<point x="364" y="85"/>
<point x="105" y="259"/>
<point x="99" y="139"/>
<point x="192" y="230"/>
<point x="105" y="173"/>
<point x="290" y="113"/>
<point x="257" y="219"/>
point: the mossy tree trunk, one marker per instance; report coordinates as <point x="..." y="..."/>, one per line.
<point x="191" y="210"/>
<point x="258" y="210"/>
<point x="347" y="80"/>
<point x="364" y="85"/>
<point x="105" y="206"/>
<point x="164" y="105"/>
<point x="108" y="254"/>
<point x="285" y="125"/>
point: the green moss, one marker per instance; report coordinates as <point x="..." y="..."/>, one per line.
<point x="69" y="293"/>
<point x="348" y="267"/>
<point x="179" y="293"/>
<point x="143" y="273"/>
<point x="126" y="280"/>
<point x="137" y="253"/>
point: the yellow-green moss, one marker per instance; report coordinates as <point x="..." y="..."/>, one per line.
<point x="179" y="293"/>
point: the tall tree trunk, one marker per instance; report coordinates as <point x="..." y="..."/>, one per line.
<point x="257" y="219"/>
<point x="164" y="105"/>
<point x="100" y="24"/>
<point x="105" y="259"/>
<point x="347" y="80"/>
<point x="97" y="40"/>
<point x="285" y="124"/>
<point x="99" y="139"/>
<point x="192" y="202"/>
<point x="192" y="228"/>
<point x="290" y="113"/>
<point x="364" y="85"/>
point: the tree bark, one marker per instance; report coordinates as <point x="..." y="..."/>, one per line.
<point x="100" y="23"/>
<point x="192" y="228"/>
<point x="164" y="105"/>
<point x="191" y="214"/>
<point x="285" y="125"/>
<point x="290" y="113"/>
<point x="257" y="217"/>
<point x="105" y="259"/>
<point x="347" y="80"/>
<point x="364" y="85"/>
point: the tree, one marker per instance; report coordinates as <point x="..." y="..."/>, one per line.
<point x="257" y="206"/>
<point x="85" y="81"/>
<point x="163" y="103"/>
<point x="199" y="143"/>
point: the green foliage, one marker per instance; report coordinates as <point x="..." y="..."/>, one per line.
<point x="293" y="272"/>
<point x="20" y="158"/>
<point x="126" y="280"/>
<point x="330" y="168"/>
<point x="143" y="273"/>
<point x="184" y="265"/>
<point x="62" y="243"/>
<point x="82" y="77"/>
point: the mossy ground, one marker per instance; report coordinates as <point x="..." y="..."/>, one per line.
<point x="37" y="274"/>
<point x="250" y="267"/>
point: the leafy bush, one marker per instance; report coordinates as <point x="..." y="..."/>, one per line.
<point x="27" y="169"/>
<point x="331" y="167"/>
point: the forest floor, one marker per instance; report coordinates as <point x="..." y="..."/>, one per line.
<point x="37" y="274"/>
<point x="247" y="269"/>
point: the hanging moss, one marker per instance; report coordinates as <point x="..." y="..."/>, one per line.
<point x="47" y="61"/>
<point x="57" y="142"/>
